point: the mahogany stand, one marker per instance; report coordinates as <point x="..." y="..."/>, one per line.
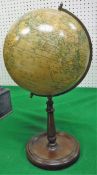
<point x="52" y="150"/>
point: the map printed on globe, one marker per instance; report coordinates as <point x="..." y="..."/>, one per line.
<point x="47" y="51"/>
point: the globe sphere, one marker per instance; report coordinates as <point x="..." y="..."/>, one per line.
<point x="47" y="52"/>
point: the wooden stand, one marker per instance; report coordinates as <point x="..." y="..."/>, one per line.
<point x="52" y="150"/>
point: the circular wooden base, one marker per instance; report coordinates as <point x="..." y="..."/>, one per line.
<point x="65" y="153"/>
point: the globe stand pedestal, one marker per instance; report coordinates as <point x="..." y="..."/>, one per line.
<point x="52" y="150"/>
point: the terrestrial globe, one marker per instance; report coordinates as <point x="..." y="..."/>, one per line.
<point x="48" y="52"/>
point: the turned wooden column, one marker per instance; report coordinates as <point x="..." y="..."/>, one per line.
<point x="51" y="131"/>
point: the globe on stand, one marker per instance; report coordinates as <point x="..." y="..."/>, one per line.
<point x="48" y="52"/>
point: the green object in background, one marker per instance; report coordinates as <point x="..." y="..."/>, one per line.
<point x="75" y="113"/>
